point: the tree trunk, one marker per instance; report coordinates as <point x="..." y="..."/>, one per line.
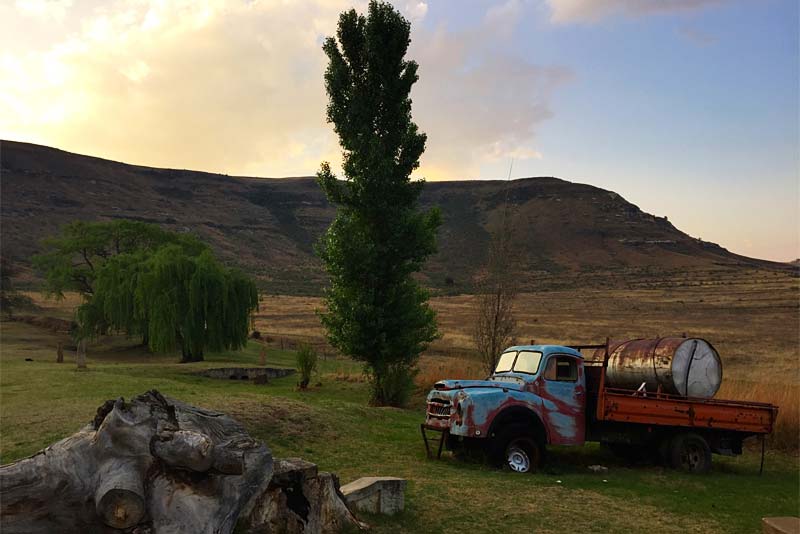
<point x="157" y="466"/>
<point x="188" y="357"/>
<point x="81" y="354"/>
<point x="60" y="353"/>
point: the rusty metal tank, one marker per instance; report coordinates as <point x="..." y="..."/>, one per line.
<point x="689" y="367"/>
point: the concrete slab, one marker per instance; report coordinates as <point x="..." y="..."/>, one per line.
<point x="377" y="495"/>
<point x="781" y="525"/>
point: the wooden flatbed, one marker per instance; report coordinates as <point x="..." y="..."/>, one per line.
<point x="625" y="406"/>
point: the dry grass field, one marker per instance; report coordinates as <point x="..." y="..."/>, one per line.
<point x="753" y="319"/>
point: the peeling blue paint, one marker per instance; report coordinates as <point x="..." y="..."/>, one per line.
<point x="474" y="405"/>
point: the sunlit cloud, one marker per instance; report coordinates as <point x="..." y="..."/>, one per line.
<point x="237" y="87"/>
<point x="480" y="104"/>
<point x="50" y="9"/>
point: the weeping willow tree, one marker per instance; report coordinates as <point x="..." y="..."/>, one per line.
<point x="193" y="304"/>
<point x="101" y="261"/>
<point x="175" y="297"/>
<point x="113" y="306"/>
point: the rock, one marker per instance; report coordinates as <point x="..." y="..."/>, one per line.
<point x="246" y="373"/>
<point x="378" y="495"/>
<point x="781" y="525"/>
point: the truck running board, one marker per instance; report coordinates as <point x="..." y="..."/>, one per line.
<point x="427" y="440"/>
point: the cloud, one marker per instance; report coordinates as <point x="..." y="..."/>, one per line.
<point x="568" y="11"/>
<point x="53" y="9"/>
<point x="237" y="87"/>
<point x="415" y="10"/>
<point x="477" y="102"/>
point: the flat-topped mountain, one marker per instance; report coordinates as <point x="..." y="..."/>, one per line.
<point x="268" y="226"/>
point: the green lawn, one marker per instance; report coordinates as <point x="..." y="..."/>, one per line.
<point x="41" y="401"/>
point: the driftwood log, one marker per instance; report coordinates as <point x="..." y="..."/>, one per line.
<point x="156" y="465"/>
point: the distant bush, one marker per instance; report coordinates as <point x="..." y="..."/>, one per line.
<point x="306" y="364"/>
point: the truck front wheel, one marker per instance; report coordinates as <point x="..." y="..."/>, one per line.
<point x="516" y="449"/>
<point x="690" y="453"/>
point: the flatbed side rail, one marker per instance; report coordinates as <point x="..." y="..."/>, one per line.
<point x="628" y="406"/>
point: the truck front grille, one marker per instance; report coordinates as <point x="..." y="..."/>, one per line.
<point x="439" y="408"/>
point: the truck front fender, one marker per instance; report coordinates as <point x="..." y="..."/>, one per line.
<point x="482" y="413"/>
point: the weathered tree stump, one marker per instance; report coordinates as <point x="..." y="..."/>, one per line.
<point x="158" y="466"/>
<point x="300" y="500"/>
<point x="155" y="464"/>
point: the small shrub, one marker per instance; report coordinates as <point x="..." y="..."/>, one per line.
<point x="256" y="334"/>
<point x="306" y="364"/>
<point x="394" y="386"/>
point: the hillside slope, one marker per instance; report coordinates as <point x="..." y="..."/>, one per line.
<point x="268" y="226"/>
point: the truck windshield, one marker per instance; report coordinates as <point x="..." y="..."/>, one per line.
<point x="506" y="362"/>
<point x="524" y="361"/>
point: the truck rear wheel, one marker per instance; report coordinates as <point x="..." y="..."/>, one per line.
<point x="690" y="453"/>
<point x="517" y="449"/>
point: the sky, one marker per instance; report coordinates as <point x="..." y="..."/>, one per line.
<point x="687" y="108"/>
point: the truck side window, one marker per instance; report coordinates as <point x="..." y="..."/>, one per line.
<point x="561" y="369"/>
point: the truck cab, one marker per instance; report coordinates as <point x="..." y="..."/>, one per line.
<point x="535" y="397"/>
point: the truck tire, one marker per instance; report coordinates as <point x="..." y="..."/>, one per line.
<point x="690" y="453"/>
<point x="516" y="448"/>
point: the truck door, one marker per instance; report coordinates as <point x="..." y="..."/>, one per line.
<point x="563" y="392"/>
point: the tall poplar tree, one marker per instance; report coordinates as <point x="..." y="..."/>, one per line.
<point x="376" y="312"/>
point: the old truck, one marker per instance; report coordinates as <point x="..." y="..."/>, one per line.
<point x="647" y="395"/>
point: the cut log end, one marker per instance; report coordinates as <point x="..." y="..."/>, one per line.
<point x="121" y="508"/>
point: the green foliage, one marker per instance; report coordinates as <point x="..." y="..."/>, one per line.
<point x="306" y="360"/>
<point x="192" y="303"/>
<point x="166" y="287"/>
<point x="71" y="260"/>
<point x="376" y="313"/>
